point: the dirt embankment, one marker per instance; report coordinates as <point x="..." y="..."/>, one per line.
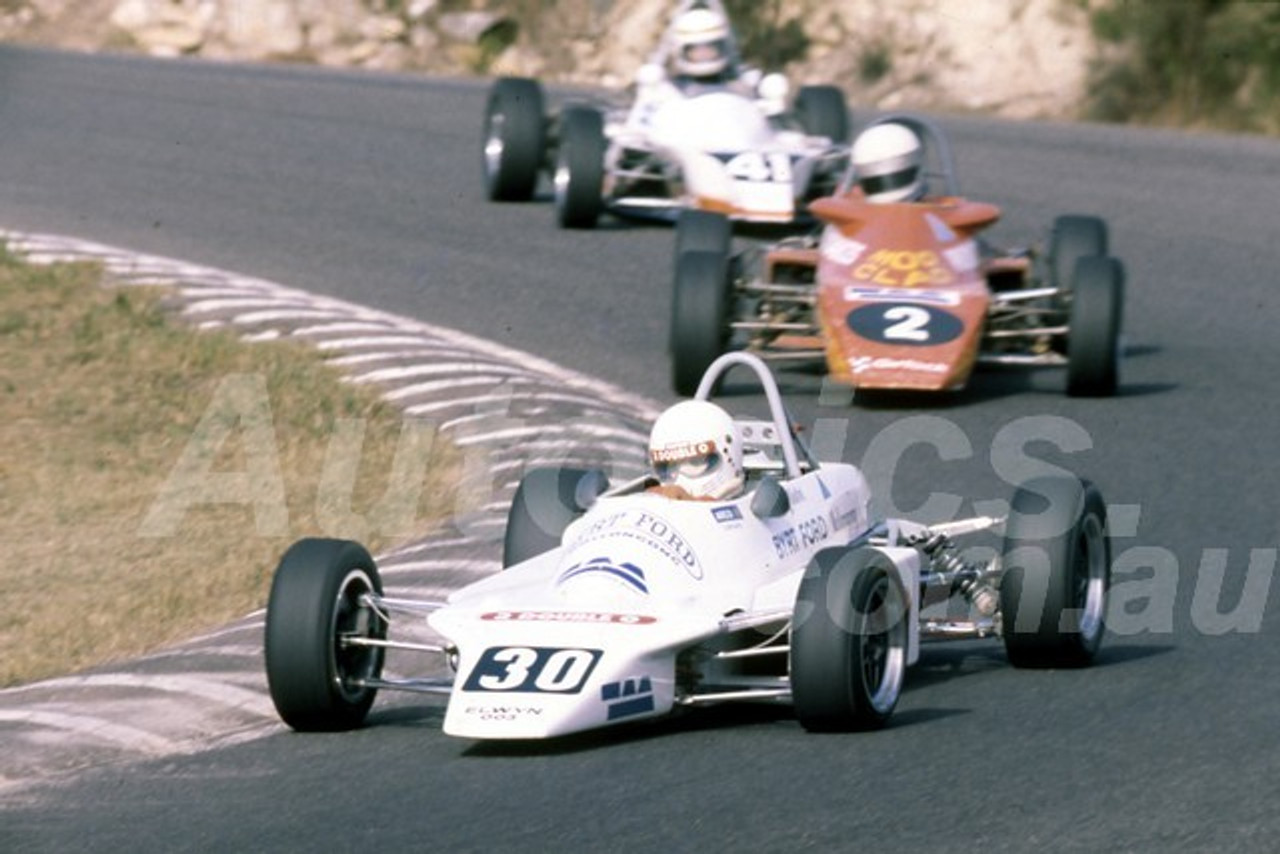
<point x="1026" y="58"/>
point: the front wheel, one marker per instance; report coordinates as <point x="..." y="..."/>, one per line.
<point x="848" y="641"/>
<point x="1057" y="568"/>
<point x="702" y="231"/>
<point x="1093" y="336"/>
<point x="579" y="172"/>
<point x="514" y="139"/>
<point x="318" y="621"/>
<point x="699" y="329"/>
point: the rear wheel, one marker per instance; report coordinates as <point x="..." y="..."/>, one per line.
<point x="317" y="615"/>
<point x="699" y="329"/>
<point x="848" y="641"/>
<point x="822" y="111"/>
<point x="1093" y="337"/>
<point x="546" y="501"/>
<point x="514" y="139"/>
<point x="579" y="173"/>
<point x="1057" y="568"/>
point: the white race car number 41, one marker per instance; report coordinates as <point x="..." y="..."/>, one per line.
<point x="760" y="168"/>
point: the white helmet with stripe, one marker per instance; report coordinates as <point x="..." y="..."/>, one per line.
<point x="888" y="160"/>
<point x="695" y="445"/>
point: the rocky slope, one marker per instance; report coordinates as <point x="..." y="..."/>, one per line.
<point x="1017" y="58"/>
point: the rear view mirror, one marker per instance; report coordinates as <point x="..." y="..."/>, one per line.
<point x="589" y="487"/>
<point x="770" y="500"/>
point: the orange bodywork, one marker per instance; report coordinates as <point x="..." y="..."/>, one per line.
<point x="752" y="214"/>
<point x="708" y="203"/>
<point x="901" y="294"/>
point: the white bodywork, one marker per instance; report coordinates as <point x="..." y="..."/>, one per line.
<point x="649" y="601"/>
<point x="713" y="149"/>
<point x="588" y="634"/>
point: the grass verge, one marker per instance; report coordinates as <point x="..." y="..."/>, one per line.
<point x="151" y="476"/>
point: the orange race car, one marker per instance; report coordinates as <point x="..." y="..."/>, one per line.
<point x="897" y="289"/>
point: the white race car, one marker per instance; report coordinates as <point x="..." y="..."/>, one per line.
<point x="618" y="604"/>
<point x="730" y="146"/>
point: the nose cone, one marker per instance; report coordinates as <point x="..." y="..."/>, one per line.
<point x="574" y="676"/>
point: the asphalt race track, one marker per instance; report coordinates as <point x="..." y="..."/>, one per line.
<point x="367" y="188"/>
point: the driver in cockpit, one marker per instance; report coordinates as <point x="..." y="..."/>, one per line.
<point x="696" y="453"/>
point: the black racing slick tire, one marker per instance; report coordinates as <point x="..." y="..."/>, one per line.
<point x="1093" y="337"/>
<point x="546" y="501"/>
<point x="514" y="139"/>
<point x="699" y="328"/>
<point x="316" y="615"/>
<point x="700" y="231"/>
<point x="1057" y="570"/>
<point x="849" y="641"/>
<point x="579" y="168"/>
<point x="703" y="231"/>
<point x="1074" y="236"/>
<point x="822" y="111"/>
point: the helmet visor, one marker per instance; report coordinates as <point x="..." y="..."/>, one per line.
<point x="685" y="462"/>
<point x="873" y="185"/>
<point x="708" y="51"/>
